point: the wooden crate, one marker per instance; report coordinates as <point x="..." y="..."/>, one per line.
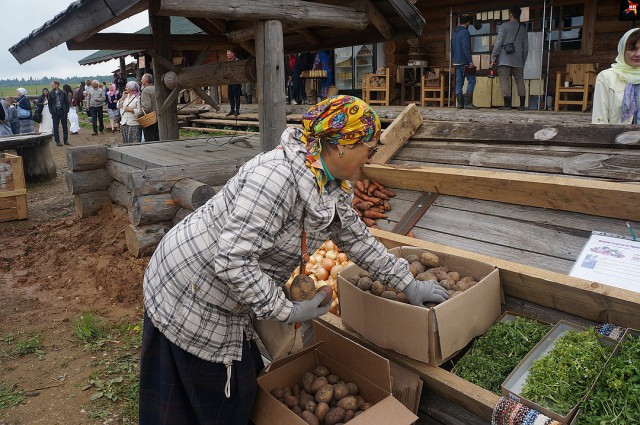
<point x="13" y="191"/>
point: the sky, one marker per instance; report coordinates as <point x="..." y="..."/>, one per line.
<point x="25" y="16"/>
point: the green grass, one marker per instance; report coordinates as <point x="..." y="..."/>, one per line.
<point x="34" y="90"/>
<point x="13" y="347"/>
<point x="114" y="382"/>
<point x="10" y="396"/>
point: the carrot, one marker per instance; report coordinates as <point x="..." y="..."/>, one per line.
<point x="365" y="197"/>
<point x="374" y="214"/>
<point x="389" y="193"/>
<point x="359" y="213"/>
<point x="379" y="185"/>
<point x="369" y="222"/>
<point x="380" y="194"/>
<point x="366" y="184"/>
<point x="411" y="234"/>
<point x="377" y="208"/>
<point x="363" y="206"/>
<point x="360" y="186"/>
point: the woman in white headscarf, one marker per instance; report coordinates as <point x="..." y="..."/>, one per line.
<point x="616" y="97"/>
<point x="22" y="101"/>
<point x="129" y="106"/>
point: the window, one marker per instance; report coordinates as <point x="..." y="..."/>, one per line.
<point x="566" y="27"/>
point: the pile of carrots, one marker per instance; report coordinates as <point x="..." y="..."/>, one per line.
<point x="371" y="201"/>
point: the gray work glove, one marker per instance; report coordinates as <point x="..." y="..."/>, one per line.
<point x="307" y="310"/>
<point x="425" y="291"/>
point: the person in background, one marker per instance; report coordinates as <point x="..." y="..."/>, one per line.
<point x="299" y="92"/>
<point x="323" y="62"/>
<point x="129" y="104"/>
<point x="247" y="91"/>
<point x="12" y="115"/>
<point x="112" y="97"/>
<point x="616" y="97"/>
<point x="119" y="81"/>
<point x="46" y="121"/>
<point x="59" y="108"/>
<point x="26" y="124"/>
<point x="5" y="127"/>
<point x="73" y="111"/>
<point x="78" y="95"/>
<point x="234" y="90"/>
<point x="511" y="64"/>
<point x="289" y="64"/>
<point x="461" y="52"/>
<point x="225" y="265"/>
<point x="87" y="108"/>
<point x="95" y="100"/>
<point x="148" y="105"/>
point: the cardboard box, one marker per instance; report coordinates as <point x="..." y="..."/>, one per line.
<point x="430" y="335"/>
<point x="345" y="358"/>
<point x="512" y="386"/>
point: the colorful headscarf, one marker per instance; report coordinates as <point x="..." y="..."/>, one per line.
<point x="339" y="120"/>
<point x="132" y="85"/>
<point x="112" y="90"/>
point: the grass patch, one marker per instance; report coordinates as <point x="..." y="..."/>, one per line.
<point x="88" y="328"/>
<point x="114" y="383"/>
<point x="10" y="396"/>
<point x="14" y="347"/>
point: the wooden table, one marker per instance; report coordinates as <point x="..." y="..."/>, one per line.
<point x="35" y="152"/>
<point x="409" y="78"/>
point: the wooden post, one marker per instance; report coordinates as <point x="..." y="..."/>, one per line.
<point x="88" y="181"/>
<point x="151" y="209"/>
<point x="161" y="32"/>
<point x="191" y="194"/>
<point x="83" y="158"/>
<point x="143" y="240"/>
<point x="123" y="68"/>
<point x="270" y="66"/>
<point x="88" y="204"/>
<point x="119" y="194"/>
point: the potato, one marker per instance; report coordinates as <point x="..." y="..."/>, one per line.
<point x="412" y="258"/>
<point x="402" y="298"/>
<point x="317" y="384"/>
<point x="463" y="285"/>
<point x="296" y="390"/>
<point x="324" y="393"/>
<point x="365" y="283"/>
<point x="307" y="381"/>
<point x="441" y="275"/>
<point x="429" y="259"/>
<point x="390" y="295"/>
<point x="354" y="279"/>
<point x="287" y="391"/>
<point x="307" y="402"/>
<point x="377" y="288"/>
<point x="335" y="416"/>
<point x="328" y="294"/>
<point x="467" y="279"/>
<point x="419" y="267"/>
<point x="361" y="401"/>
<point x="321" y="410"/>
<point x="310" y="418"/>
<point x="441" y="268"/>
<point x="366" y="406"/>
<point x="348" y="403"/>
<point x="277" y="393"/>
<point x="322" y="371"/>
<point x="447" y="283"/>
<point x="291" y="401"/>
<point x="333" y="379"/>
<point x="353" y="388"/>
<point x="297" y="410"/>
<point x="426" y="276"/>
<point x="302" y="288"/>
<point x="350" y="414"/>
<point x="455" y="276"/>
<point x="340" y="391"/>
<point x="366" y="274"/>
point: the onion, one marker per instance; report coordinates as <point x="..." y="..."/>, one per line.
<point x="308" y="268"/>
<point x="332" y="254"/>
<point x="328" y="263"/>
<point x="317" y="258"/>
<point x="321" y="273"/>
<point x="335" y="270"/>
<point x="329" y="245"/>
<point x="342" y="257"/>
<point x="322" y="252"/>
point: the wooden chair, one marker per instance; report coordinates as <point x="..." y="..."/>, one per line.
<point x="375" y="88"/>
<point x="583" y="77"/>
<point x="435" y="89"/>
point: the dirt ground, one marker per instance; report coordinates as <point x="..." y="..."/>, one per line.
<point x="54" y="266"/>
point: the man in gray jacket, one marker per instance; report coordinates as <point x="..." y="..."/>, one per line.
<point x="510" y="51"/>
<point x="148" y="105"/>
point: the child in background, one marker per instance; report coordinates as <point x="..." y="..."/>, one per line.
<point x="12" y="115"/>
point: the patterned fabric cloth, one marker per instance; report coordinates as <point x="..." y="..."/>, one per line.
<point x="224" y="264"/>
<point x="131" y="134"/>
<point x="611" y="331"/>
<point x="339" y="120"/>
<point x="510" y="412"/>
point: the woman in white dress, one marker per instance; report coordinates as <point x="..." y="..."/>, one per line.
<point x="129" y="106"/>
<point x="46" y="125"/>
<point x="73" y="112"/>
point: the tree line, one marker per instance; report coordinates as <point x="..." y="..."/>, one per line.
<point x="45" y="81"/>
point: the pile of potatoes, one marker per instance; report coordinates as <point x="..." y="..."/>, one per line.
<point x="425" y="266"/>
<point x="322" y="398"/>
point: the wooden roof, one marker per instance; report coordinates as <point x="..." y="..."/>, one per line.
<point x="227" y="24"/>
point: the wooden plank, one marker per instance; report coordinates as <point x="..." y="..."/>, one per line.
<point x="413" y="214"/>
<point x="397" y="134"/>
<point x="591" y="300"/>
<point x="124" y="41"/>
<point x="562" y="193"/>
<point x="378" y="20"/>
<point x="621" y="136"/>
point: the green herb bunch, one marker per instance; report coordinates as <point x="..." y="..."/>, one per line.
<point x="616" y="397"/>
<point x="559" y="379"/>
<point x="495" y="354"/>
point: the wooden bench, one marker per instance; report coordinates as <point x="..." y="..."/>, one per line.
<point x="35" y="152"/>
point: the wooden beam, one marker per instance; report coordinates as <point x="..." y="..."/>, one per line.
<point x="308" y="13"/>
<point x="220" y="25"/>
<point x="378" y="20"/>
<point x="204" y="96"/>
<point x="590" y="300"/>
<point x="212" y="74"/>
<point x="121" y="15"/>
<point x="123" y="41"/>
<point x="307" y="34"/>
<point x="161" y="29"/>
<point x="270" y="66"/>
<point x="397" y="133"/>
<point x="605" y="199"/>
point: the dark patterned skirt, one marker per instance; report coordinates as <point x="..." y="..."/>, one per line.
<point x="179" y="388"/>
<point x="131" y="134"/>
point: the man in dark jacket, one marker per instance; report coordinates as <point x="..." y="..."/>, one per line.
<point x="461" y="52"/>
<point x="59" y="108"/>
